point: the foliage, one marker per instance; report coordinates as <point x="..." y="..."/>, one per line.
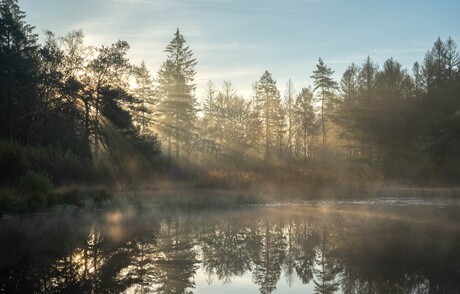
<point x="177" y="105"/>
<point x="35" y="183"/>
<point x="266" y="105"/>
<point x="225" y="179"/>
<point x="76" y="114"/>
<point x="60" y="103"/>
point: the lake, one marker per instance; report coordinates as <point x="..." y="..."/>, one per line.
<point x="378" y="246"/>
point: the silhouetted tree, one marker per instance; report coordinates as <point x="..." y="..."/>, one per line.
<point x="108" y="70"/>
<point x="19" y="99"/>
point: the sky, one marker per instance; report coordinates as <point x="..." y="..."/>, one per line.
<point x="237" y="40"/>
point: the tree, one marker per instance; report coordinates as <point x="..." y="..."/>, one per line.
<point x="268" y="263"/>
<point x="145" y="99"/>
<point x="322" y="80"/>
<point x="177" y="103"/>
<point x="438" y="111"/>
<point x="62" y="64"/>
<point x="393" y="108"/>
<point x="327" y="269"/>
<point x="108" y="71"/>
<point x="452" y="60"/>
<point x="208" y="123"/>
<point x="306" y="127"/>
<point x="345" y="118"/>
<point x="289" y="100"/>
<point x="231" y="115"/>
<point x="267" y="102"/>
<point x="18" y="75"/>
<point x="367" y="77"/>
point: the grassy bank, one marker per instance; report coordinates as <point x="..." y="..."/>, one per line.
<point x="416" y="192"/>
<point x="180" y="197"/>
<point x="70" y="198"/>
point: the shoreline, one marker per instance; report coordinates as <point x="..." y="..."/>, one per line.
<point x="185" y="197"/>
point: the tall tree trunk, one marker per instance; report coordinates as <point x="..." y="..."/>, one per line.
<point x="323" y="127"/>
<point x="96" y="130"/>
<point x="87" y="125"/>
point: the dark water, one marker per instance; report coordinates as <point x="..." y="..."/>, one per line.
<point x="383" y="247"/>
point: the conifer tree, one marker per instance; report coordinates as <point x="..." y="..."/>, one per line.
<point x="267" y="101"/>
<point x="209" y="120"/>
<point x="144" y="104"/>
<point x="18" y="75"/>
<point x="346" y="112"/>
<point x="323" y="82"/>
<point x="177" y="103"/>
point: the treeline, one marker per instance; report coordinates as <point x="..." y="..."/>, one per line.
<point x="94" y="105"/>
<point x="376" y="123"/>
<point x="383" y="122"/>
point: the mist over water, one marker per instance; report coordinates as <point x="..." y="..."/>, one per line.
<point x="333" y="247"/>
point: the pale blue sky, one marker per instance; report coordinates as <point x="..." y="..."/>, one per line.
<point x="238" y="40"/>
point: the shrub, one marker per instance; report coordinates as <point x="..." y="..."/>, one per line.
<point x="224" y="179"/>
<point x="35" y="184"/>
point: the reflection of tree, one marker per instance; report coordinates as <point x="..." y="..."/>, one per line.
<point x="348" y="280"/>
<point x="289" y="262"/>
<point x="327" y="269"/>
<point x="268" y="263"/>
<point x="106" y="261"/>
<point x="178" y="263"/>
<point x="141" y="253"/>
<point x="306" y="242"/>
<point x="143" y="268"/>
<point x="226" y="250"/>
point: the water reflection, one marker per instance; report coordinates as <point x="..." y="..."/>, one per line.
<point x="356" y="249"/>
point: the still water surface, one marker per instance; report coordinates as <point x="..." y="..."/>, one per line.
<point x="393" y="246"/>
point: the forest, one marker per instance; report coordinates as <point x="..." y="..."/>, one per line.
<point x="75" y="114"/>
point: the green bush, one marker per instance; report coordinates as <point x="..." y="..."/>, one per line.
<point x="34" y="183"/>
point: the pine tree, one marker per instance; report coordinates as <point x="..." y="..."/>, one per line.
<point x="177" y="104"/>
<point x="144" y="99"/>
<point x="368" y="81"/>
<point x="208" y="122"/>
<point x="267" y="100"/>
<point x="345" y="118"/>
<point x="19" y="99"/>
<point x="16" y="36"/>
<point x="322" y="79"/>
